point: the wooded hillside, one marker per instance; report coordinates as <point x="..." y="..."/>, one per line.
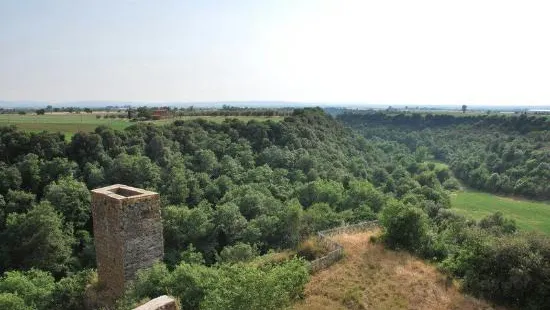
<point x="230" y="192"/>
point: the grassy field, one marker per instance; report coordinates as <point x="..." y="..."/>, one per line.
<point x="70" y="124"/>
<point x="65" y="123"/>
<point x="373" y="277"/>
<point x="528" y="215"/>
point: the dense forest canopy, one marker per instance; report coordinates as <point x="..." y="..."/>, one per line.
<point x="494" y="153"/>
<point x="234" y="191"/>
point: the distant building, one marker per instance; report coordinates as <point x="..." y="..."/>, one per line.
<point x="161" y="114"/>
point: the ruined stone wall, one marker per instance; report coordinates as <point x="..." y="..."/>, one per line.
<point x="127" y="235"/>
<point x="160" y="303"/>
<point x="336" y="251"/>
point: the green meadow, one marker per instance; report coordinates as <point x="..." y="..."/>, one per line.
<point x="529" y="215"/>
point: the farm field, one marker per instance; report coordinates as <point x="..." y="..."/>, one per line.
<point x="61" y="122"/>
<point x="529" y="215"/>
<point x="70" y="124"/>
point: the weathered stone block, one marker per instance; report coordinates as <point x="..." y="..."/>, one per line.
<point x="127" y="234"/>
<point x="160" y="303"/>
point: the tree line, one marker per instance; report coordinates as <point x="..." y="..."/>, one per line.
<point x="498" y="154"/>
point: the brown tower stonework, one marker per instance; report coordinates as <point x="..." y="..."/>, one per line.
<point x="127" y="234"/>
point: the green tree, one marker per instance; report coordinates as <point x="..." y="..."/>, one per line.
<point x="34" y="287"/>
<point x="320" y="216"/>
<point x="174" y="188"/>
<point x="362" y="193"/>
<point x="36" y="239"/>
<point x="404" y="226"/>
<point x="85" y="147"/>
<point x="10" y="178"/>
<point x="192" y="256"/>
<point x="29" y="167"/>
<point x="94" y="175"/>
<point x="69" y="292"/>
<point x="240" y="252"/>
<point x="464" y="107"/>
<point x="183" y="227"/>
<point x="56" y="168"/>
<point x="19" y="201"/>
<point x="134" y="170"/>
<point x="72" y="199"/>
<point x="205" y="161"/>
<point x="327" y="191"/>
<point x="229" y="223"/>
<point x="144" y="112"/>
<point x="10" y="301"/>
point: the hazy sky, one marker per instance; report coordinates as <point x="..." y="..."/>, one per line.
<point x="382" y="52"/>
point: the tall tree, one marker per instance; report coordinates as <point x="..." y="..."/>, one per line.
<point x="36" y="239"/>
<point x="72" y="199"/>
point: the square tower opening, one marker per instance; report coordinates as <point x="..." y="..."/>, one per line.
<point x="124" y="191"/>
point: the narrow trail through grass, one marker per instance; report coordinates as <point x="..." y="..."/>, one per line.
<point x="372" y="277"/>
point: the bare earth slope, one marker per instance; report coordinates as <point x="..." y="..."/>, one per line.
<point x="371" y="277"/>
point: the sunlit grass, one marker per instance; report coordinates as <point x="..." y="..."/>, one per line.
<point x="373" y="277"/>
<point x="529" y="215"/>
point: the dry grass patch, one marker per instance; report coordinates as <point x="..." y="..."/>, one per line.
<point x="372" y="277"/>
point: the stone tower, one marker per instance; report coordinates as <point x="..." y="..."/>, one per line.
<point x="127" y="234"/>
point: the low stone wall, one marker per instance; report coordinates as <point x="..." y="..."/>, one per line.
<point x="336" y="251"/>
<point x="160" y="303"/>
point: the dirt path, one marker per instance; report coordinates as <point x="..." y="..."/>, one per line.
<point x="371" y="277"/>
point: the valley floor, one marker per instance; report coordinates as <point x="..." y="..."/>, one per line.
<point x="372" y="277"/>
<point x="529" y="215"/>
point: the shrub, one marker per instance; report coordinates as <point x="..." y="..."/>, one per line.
<point x="240" y="252"/>
<point x="238" y="286"/>
<point x="498" y="224"/>
<point x="404" y="226"/>
<point x="451" y="184"/>
<point x="512" y="270"/>
<point x="311" y="249"/>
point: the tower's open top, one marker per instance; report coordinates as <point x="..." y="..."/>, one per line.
<point x="120" y="191"/>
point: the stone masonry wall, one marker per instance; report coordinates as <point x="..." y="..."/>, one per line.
<point x="336" y="251"/>
<point x="127" y="235"/>
<point x="108" y="242"/>
<point x="142" y="234"/>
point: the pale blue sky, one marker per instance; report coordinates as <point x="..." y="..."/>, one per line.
<point x="382" y="52"/>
